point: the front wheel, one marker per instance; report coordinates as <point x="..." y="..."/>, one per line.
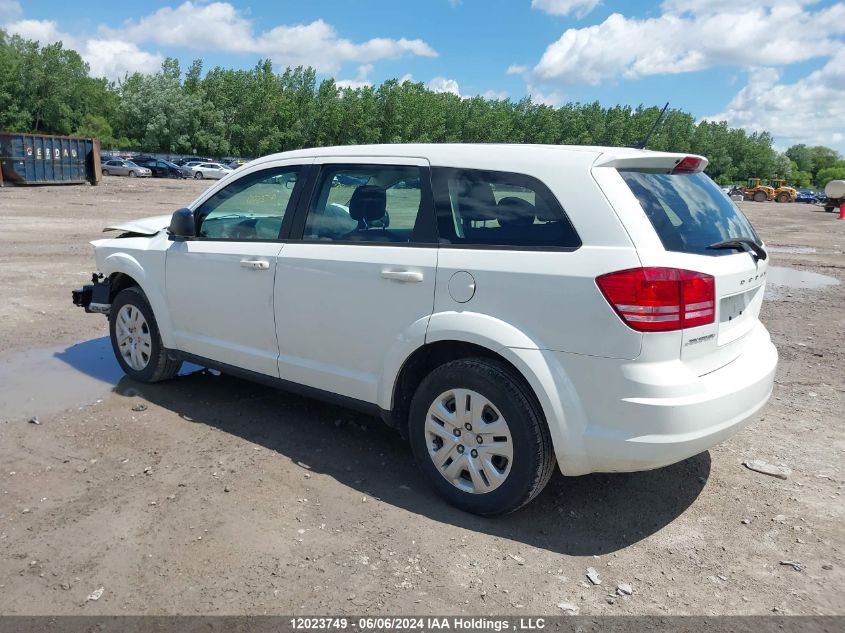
<point x="479" y="436"/>
<point x="198" y="175"/>
<point x="136" y="341"/>
<point x="105" y="172"/>
<point x="131" y="174"/>
<point x="784" y="197"/>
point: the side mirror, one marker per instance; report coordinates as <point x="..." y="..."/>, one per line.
<point x="182" y="225"/>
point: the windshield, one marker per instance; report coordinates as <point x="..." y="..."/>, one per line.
<point x="688" y="211"/>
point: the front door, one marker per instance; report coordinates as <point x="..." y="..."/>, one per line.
<point x="359" y="287"/>
<point x="220" y="284"/>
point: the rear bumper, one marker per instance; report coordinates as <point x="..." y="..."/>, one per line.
<point x="639" y="417"/>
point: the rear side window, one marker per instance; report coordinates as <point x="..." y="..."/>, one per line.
<point x="688" y="211"/>
<point x="499" y="209"/>
<point x="369" y="203"/>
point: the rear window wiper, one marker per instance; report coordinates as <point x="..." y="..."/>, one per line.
<point x="743" y="244"/>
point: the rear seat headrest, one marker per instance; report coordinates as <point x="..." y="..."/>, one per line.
<point x="368" y="203"/>
<point x="513" y="211"/>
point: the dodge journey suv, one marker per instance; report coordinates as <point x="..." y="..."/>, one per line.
<point x="507" y="308"/>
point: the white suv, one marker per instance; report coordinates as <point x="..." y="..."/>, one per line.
<point x="505" y="307"/>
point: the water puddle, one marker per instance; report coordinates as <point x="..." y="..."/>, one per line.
<point x="796" y="250"/>
<point x="782" y="279"/>
<point x="42" y="382"/>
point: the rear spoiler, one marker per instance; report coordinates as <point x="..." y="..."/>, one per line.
<point x="671" y="163"/>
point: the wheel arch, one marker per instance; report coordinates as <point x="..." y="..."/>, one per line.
<point x="125" y="271"/>
<point x="451" y="336"/>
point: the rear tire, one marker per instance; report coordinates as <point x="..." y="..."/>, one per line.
<point x="136" y="340"/>
<point x="479" y="436"/>
<point x="784" y="197"/>
<point x="760" y="196"/>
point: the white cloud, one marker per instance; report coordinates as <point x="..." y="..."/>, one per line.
<point x="360" y="81"/>
<point x="406" y="77"/>
<point x="110" y="58"/>
<point x="553" y="98"/>
<point x="114" y="58"/>
<point x="516" y="69"/>
<point x="811" y="110"/>
<point x="689" y="38"/>
<point x="495" y="95"/>
<point x="220" y="26"/>
<point x="44" y="31"/>
<point x="442" y="84"/>
<point x="217" y="26"/>
<point x="564" y="7"/>
<point x="10" y="10"/>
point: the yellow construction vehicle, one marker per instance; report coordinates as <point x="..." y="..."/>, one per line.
<point x="783" y="193"/>
<point x="756" y="191"/>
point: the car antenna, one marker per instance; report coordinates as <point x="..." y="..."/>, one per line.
<point x="642" y="144"/>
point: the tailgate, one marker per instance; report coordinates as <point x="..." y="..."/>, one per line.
<point x="678" y="218"/>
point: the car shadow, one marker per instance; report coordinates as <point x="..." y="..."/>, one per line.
<point x="593" y="514"/>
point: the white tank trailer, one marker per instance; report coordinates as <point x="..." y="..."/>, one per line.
<point x="835" y="192"/>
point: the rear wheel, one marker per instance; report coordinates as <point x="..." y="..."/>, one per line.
<point x="136" y="340"/>
<point x="783" y="197"/>
<point x="760" y="196"/>
<point x="479" y="437"/>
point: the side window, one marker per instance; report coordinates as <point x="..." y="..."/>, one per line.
<point x="493" y="208"/>
<point x="368" y="203"/>
<point x="251" y="208"/>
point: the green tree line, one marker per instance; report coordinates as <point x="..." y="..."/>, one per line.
<point x="249" y="113"/>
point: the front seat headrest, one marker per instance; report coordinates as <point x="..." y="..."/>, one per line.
<point x="476" y="201"/>
<point x="368" y="203"/>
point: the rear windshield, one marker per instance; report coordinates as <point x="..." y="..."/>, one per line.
<point x="688" y="211"/>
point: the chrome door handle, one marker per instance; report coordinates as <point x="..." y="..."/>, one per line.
<point x="405" y="276"/>
<point x="255" y="264"/>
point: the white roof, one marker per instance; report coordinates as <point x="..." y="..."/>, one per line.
<point x="479" y="154"/>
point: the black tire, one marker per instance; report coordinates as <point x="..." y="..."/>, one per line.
<point x="159" y="365"/>
<point x="760" y="196"/>
<point x="198" y="175"/>
<point x="533" y="458"/>
<point x="105" y="172"/>
<point x="131" y="174"/>
<point x="784" y="197"/>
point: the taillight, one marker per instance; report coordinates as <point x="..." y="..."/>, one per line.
<point x="688" y="165"/>
<point x="660" y="299"/>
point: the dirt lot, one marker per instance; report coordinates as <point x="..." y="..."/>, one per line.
<point x="225" y="497"/>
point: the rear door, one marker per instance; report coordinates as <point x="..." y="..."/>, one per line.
<point x="675" y="219"/>
<point x="359" y="285"/>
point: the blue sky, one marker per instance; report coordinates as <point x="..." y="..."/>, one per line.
<point x="777" y="65"/>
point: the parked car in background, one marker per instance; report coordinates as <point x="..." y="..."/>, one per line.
<point x="526" y="308"/>
<point x="122" y="167"/>
<point x="211" y="170"/>
<point x="164" y="168"/>
<point x="809" y="196"/>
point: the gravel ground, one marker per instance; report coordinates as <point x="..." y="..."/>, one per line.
<point x="212" y="495"/>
